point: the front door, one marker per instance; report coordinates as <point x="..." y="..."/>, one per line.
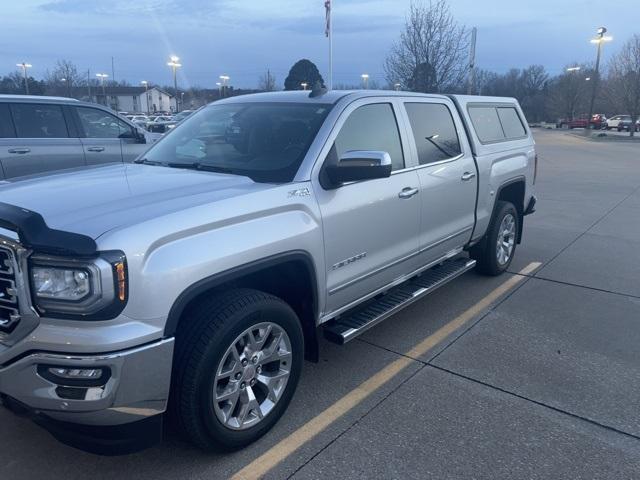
<point x="101" y="135"/>
<point x="371" y="228"/>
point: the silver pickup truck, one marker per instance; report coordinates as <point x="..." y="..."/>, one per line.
<point x="193" y="283"/>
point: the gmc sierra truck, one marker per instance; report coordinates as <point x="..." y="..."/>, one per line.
<point x="193" y="283"/>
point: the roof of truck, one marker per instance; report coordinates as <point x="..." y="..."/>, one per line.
<point x="332" y="96"/>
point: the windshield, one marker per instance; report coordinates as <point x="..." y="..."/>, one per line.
<point x="263" y="141"/>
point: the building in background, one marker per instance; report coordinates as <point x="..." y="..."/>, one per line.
<point x="127" y="99"/>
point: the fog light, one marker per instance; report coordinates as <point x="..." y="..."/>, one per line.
<point x="74" y="376"/>
<point x="76" y="373"/>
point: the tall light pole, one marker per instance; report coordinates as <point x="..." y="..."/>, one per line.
<point x="599" y="40"/>
<point x="24" y="66"/>
<point x="102" y="76"/>
<point x="219" y="85"/>
<point x="397" y="86"/>
<point x="304" y="85"/>
<point x="365" y="80"/>
<point x="66" y="82"/>
<point x="174" y="64"/>
<point x="146" y="92"/>
<point x="225" y="80"/>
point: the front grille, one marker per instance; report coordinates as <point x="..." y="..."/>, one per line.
<point x="9" y="302"/>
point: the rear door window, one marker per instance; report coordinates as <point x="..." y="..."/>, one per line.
<point x="433" y="131"/>
<point x="486" y="123"/>
<point x="6" y="124"/>
<point x="34" y="120"/>
<point x="511" y="123"/>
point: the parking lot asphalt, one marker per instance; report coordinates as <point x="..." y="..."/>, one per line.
<point x="534" y="374"/>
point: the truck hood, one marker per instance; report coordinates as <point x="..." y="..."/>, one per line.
<point x="92" y="201"/>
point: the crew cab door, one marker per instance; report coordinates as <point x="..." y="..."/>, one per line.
<point x="371" y="227"/>
<point x="447" y="174"/>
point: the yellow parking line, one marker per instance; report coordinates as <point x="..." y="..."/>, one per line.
<point x="276" y="454"/>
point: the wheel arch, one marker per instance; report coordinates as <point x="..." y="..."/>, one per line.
<point x="513" y="191"/>
<point x="296" y="284"/>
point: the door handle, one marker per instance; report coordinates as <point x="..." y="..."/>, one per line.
<point x="408" y="192"/>
<point x="96" y="149"/>
<point x="19" y="150"/>
<point x="466" y="176"/>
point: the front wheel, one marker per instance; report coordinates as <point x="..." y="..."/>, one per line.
<point x="237" y="366"/>
<point x="495" y="253"/>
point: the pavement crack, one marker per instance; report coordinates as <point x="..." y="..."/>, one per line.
<point x="546" y="279"/>
<point x="536" y="402"/>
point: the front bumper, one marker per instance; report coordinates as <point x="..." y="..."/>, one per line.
<point x="135" y="391"/>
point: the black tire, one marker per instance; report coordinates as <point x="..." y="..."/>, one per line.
<point x="485" y="252"/>
<point x="207" y="331"/>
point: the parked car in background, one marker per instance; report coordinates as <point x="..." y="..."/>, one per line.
<point x="202" y="275"/>
<point x="580" y="122"/>
<point x="598" y="121"/>
<point x="625" y="124"/>
<point x="39" y="134"/>
<point x="163" y="126"/>
<point x="614" y="121"/>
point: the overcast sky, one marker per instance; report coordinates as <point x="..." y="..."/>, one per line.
<point x="242" y="38"/>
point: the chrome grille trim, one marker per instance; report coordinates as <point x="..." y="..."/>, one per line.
<point x="9" y="301"/>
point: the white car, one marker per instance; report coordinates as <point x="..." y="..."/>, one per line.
<point x="614" y="122"/>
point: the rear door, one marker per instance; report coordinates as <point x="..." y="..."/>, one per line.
<point x="43" y="140"/>
<point x="100" y="135"/>
<point x="447" y="174"/>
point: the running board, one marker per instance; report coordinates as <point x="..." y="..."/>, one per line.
<point x="348" y="326"/>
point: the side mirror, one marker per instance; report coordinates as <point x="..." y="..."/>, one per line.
<point x="358" y="165"/>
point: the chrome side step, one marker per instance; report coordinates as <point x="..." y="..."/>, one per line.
<point x="348" y="326"/>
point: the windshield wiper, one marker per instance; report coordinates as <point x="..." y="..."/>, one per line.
<point x="145" y="161"/>
<point x="201" y="166"/>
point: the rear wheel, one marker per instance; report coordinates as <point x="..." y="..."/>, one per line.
<point x="237" y="366"/>
<point x="495" y="253"/>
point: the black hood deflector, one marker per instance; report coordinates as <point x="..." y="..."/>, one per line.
<point x="36" y="235"/>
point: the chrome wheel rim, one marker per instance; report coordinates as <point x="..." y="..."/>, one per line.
<point x="252" y="376"/>
<point x="506" y="239"/>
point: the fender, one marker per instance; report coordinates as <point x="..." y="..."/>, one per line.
<point x="193" y="291"/>
<point x="518" y="179"/>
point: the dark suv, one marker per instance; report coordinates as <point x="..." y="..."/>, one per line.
<point x="39" y="134"/>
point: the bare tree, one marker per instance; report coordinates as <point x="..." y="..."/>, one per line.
<point x="624" y="79"/>
<point x="431" y="53"/>
<point x="568" y="92"/>
<point x="267" y="82"/>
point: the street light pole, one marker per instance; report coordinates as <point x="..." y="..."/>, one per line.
<point x="24" y="66"/>
<point x="102" y="76"/>
<point x="146" y="92"/>
<point x="365" y="80"/>
<point x="225" y="79"/>
<point x="173" y="63"/>
<point x="599" y="39"/>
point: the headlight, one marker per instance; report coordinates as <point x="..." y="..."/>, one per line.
<point x="60" y="283"/>
<point x="94" y="289"/>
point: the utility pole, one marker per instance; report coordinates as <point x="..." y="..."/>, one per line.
<point x="113" y="71"/>
<point x="471" y="85"/>
<point x="89" y="83"/>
